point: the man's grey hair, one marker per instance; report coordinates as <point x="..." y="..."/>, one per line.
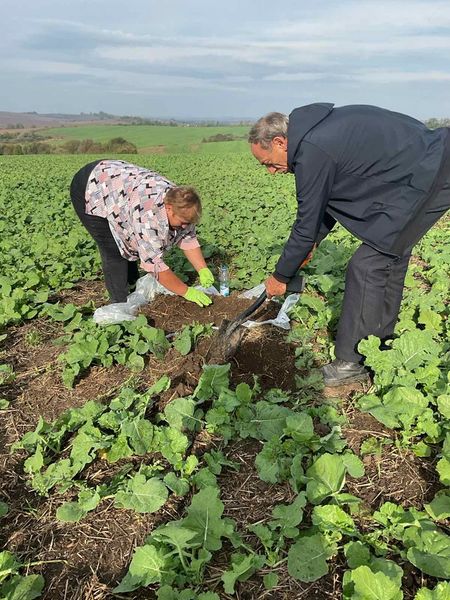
<point x="268" y="127"/>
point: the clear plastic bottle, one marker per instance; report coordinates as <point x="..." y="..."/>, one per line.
<point x="224" y="281"/>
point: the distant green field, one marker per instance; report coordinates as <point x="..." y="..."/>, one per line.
<point x="156" y="138"/>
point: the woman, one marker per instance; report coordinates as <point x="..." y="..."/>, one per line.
<point x="136" y="214"/>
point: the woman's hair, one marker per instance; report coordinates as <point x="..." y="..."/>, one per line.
<point x="185" y="202"/>
<point x="266" y="128"/>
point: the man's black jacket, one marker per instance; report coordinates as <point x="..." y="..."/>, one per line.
<point x="368" y="168"/>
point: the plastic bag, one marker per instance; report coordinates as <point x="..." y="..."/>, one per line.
<point x="282" y="319"/>
<point x="147" y="287"/>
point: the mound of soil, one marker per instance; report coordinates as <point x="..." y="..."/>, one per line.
<point x="172" y="313"/>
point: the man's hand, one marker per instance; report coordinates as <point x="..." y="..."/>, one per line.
<point x="197" y="296"/>
<point x="274" y="287"/>
<point x="206" y="277"/>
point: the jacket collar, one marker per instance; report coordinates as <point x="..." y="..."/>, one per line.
<point x="302" y="120"/>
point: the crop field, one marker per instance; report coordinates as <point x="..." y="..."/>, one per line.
<point x="133" y="467"/>
<point x="157" y="138"/>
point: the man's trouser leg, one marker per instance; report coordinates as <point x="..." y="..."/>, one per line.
<point x="374" y="283"/>
<point x="372" y="298"/>
<point x="118" y="271"/>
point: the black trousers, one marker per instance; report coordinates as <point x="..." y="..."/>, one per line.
<point x="118" y="272"/>
<point x="372" y="298"/>
<point x="374" y="286"/>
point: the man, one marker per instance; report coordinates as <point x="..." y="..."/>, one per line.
<point x="385" y="177"/>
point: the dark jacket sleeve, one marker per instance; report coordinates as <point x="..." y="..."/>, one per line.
<point x="326" y="226"/>
<point x="314" y="176"/>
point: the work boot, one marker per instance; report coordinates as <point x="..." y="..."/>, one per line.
<point x="340" y="372"/>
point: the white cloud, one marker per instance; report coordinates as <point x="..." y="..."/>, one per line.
<point x="366" y="18"/>
<point x="380" y="76"/>
<point x="48" y="67"/>
<point x="295" y="77"/>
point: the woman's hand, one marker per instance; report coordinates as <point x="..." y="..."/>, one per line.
<point x="206" y="277"/>
<point x="197" y="296"/>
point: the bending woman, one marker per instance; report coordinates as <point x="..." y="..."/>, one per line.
<point x="136" y="214"/>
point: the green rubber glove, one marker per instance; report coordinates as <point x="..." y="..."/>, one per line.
<point x="206" y="277"/>
<point x="197" y="296"/>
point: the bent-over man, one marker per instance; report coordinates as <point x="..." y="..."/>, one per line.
<point x="385" y="177"/>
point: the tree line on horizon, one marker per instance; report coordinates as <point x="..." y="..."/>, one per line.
<point x="31" y="142"/>
<point x="116" y="145"/>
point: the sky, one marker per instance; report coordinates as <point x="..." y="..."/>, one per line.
<point x="234" y="59"/>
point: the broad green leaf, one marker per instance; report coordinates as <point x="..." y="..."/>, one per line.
<point x="190" y="464"/>
<point x="388" y="568"/>
<point x="289" y="515"/>
<point x="148" y="565"/>
<point x="179" y="413"/>
<point x="84" y="446"/>
<point x="432" y="554"/>
<point x="443" y="468"/>
<point x="161" y="385"/>
<point x="88" y="499"/>
<point x="242" y="567"/>
<point x="267" y="465"/>
<point x="396" y="402"/>
<point x="270" y="581"/>
<point x="300" y="427"/>
<point x="326" y="477"/>
<point x="70" y="512"/>
<point x="23" y="588"/>
<point x="174" y="533"/>
<point x="439" y="507"/>
<point x="35" y="462"/>
<point x="135" y="362"/>
<point x="443" y="403"/>
<point x="414" y="346"/>
<point x="243" y="393"/>
<point x="332" y="518"/>
<point x="353" y="464"/>
<point x="59" y="473"/>
<point x="213" y="379"/>
<point x="167" y="592"/>
<point x="141" y="495"/>
<point x="440" y="592"/>
<point x="204" y="515"/>
<point x="172" y="445"/>
<point x="140" y="434"/>
<point x="183" y="341"/>
<point x="178" y="485"/>
<point x="8" y="564"/>
<point x="119" y="449"/>
<point x="204" y="479"/>
<point x="268" y="420"/>
<point x="307" y="559"/>
<point x="357" y="554"/>
<point x="430" y="319"/>
<point x="374" y="586"/>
